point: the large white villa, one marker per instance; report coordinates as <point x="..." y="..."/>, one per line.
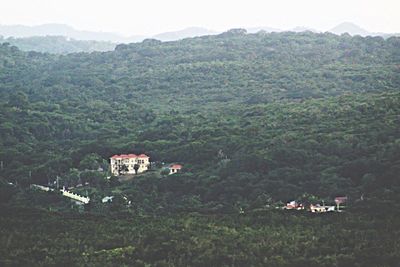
<point x="125" y="164"/>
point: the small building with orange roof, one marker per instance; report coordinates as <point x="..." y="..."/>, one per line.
<point x="174" y="168"/>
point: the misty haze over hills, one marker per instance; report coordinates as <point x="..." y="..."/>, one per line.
<point x="185" y="33"/>
<point x="56" y="44"/>
<point x="21" y="31"/>
<point x="351" y="28"/>
<point x="64" y="39"/>
<point x="266" y="29"/>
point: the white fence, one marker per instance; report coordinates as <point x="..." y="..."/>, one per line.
<point x="64" y="193"/>
<point x="75" y="196"/>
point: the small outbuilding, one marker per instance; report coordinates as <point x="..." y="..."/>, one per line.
<point x="175" y="168"/>
<point x="293" y="205"/>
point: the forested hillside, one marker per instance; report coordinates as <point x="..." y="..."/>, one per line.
<point x="255" y="119"/>
<point x="279" y="113"/>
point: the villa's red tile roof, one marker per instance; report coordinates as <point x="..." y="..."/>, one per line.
<point x="129" y="156"/>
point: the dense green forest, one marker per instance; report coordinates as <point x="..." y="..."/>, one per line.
<point x="255" y="119"/>
<point x="258" y="239"/>
<point x="57" y="44"/>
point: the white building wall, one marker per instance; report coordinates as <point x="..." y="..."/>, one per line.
<point x="116" y="164"/>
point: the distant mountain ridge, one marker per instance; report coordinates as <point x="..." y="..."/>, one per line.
<point x="265" y="29"/>
<point x="22" y="31"/>
<point x="303" y="29"/>
<point x="58" y="44"/>
<point x="54" y="29"/>
<point x="185" y="33"/>
<point x="350" y="28"/>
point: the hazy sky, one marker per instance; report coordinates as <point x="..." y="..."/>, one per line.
<point x="154" y="16"/>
